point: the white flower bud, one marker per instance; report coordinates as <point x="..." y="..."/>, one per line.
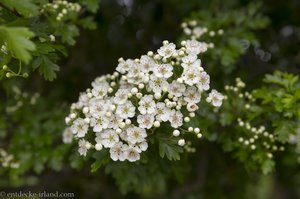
<point x="134" y="91"/>
<point x="199" y="135"/>
<point x="176" y="133"/>
<point x="192" y="114"/>
<point x="122" y="125"/>
<point x="181" y="142"/>
<point x="110" y="90"/>
<point x="85" y="110"/>
<point x="127" y="121"/>
<point x="118" y="130"/>
<point x="157" y="96"/>
<point x="187" y="119"/>
<point x="141" y="86"/>
<point x="139" y="95"/>
<point x="190" y="129"/>
<point x="67" y="120"/>
<point x="197" y="130"/>
<point x="156" y="124"/>
<point x="88" y="145"/>
<point x="98" y="147"/>
<point x="150" y="53"/>
<point x="73" y="115"/>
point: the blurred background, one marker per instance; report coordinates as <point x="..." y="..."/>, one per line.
<point x="130" y="28"/>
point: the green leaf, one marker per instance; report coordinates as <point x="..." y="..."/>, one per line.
<point x="18" y="41"/>
<point x="284" y="130"/>
<point x="27" y="8"/>
<point x="46" y="67"/>
<point x="92" y="5"/>
<point x="267" y="166"/>
<point x="170" y="149"/>
<point x="102" y="158"/>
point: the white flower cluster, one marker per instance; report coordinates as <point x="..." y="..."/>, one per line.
<point x="258" y="136"/>
<point x="61" y="8"/>
<point x="7" y="160"/>
<point x="123" y="108"/>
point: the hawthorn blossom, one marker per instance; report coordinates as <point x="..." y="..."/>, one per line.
<point x="118" y="152"/>
<point x="126" y="110"/>
<point x="192" y="95"/>
<point x="167" y="50"/>
<point x="79" y="127"/>
<point x="136" y="134"/>
<point x="145" y="121"/>
<point x="132" y="154"/>
<point x="83" y="147"/>
<point x="215" y="98"/>
<point x="147" y="105"/>
<point x="163" y="71"/>
<point x="176" y="119"/>
<point x="145" y="94"/>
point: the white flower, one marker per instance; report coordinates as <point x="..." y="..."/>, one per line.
<point x="195" y="47"/>
<point x="215" y="98"/>
<point x="189" y="60"/>
<point x="147" y="64"/>
<point x="162" y="113"/>
<point x="147" y="105"/>
<point x="176" y="119"/>
<point x="163" y="71"/>
<point x="79" y="127"/>
<point x="192" y="95"/>
<point x="100" y="89"/>
<point x="118" y="152"/>
<point x="145" y="121"/>
<point x="167" y="50"/>
<point x="114" y="122"/>
<point x="134" y="70"/>
<point x="191" y="76"/>
<point x="108" y="138"/>
<point x="121" y="96"/>
<point x="124" y="66"/>
<point x="136" y="135"/>
<point x="142" y="146"/>
<point x="132" y="154"/>
<point x="126" y="110"/>
<point x="191" y="107"/>
<point x="67" y="136"/>
<point x="98" y="107"/>
<point x="204" y="81"/>
<point x="176" y="88"/>
<point x="99" y="123"/>
<point x="157" y="84"/>
<point x="84" y="146"/>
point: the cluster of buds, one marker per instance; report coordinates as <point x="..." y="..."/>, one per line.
<point x="60" y="8"/>
<point x="238" y="90"/>
<point x="121" y="110"/>
<point x="194" y="31"/>
<point x="21" y="98"/>
<point x="7" y="160"/>
<point x="258" y="137"/>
